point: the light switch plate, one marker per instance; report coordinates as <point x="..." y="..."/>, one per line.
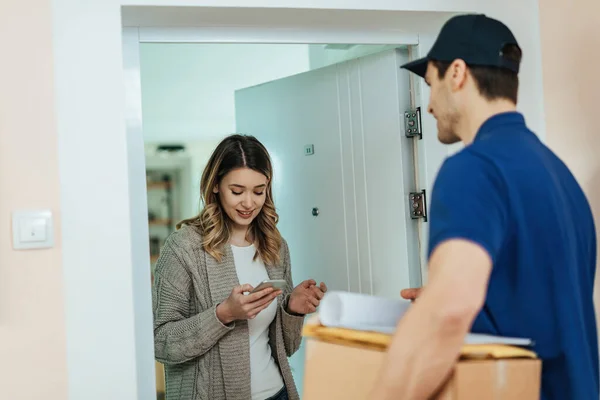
<point x="32" y="229"/>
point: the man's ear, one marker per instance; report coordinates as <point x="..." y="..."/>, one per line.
<point x="457" y="73"/>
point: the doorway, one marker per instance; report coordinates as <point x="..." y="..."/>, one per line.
<point x="344" y="99"/>
<point x="124" y="224"/>
<point x="400" y="48"/>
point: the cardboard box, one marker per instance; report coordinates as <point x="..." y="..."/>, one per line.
<point x="340" y="371"/>
<point x="160" y="377"/>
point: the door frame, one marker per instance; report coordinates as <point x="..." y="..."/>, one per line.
<point x="104" y="233"/>
<point x="265" y="35"/>
<point x="133" y="37"/>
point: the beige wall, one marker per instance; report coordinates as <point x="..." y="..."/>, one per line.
<point x="570" y="46"/>
<point x="32" y="322"/>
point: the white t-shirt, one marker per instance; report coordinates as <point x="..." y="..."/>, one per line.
<point x="265" y="377"/>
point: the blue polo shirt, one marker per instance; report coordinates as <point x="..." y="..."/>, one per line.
<point x="514" y="197"/>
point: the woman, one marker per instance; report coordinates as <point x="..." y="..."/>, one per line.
<point x="217" y="340"/>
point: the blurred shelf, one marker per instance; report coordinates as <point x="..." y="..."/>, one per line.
<point x="160" y="222"/>
<point x="159" y="185"/>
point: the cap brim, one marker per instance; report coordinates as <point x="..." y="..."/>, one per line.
<point x="418" y="67"/>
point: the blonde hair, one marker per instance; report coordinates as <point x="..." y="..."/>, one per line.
<point x="237" y="151"/>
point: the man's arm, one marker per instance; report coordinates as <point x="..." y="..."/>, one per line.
<point x="429" y="336"/>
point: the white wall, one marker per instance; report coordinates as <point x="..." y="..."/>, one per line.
<point x="98" y="252"/>
<point x="187" y="89"/>
<point x="97" y="247"/>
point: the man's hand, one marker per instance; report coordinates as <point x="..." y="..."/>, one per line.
<point x="411" y="294"/>
<point x="429" y="336"/>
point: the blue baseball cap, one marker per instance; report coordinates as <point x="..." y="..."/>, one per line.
<point x="474" y="38"/>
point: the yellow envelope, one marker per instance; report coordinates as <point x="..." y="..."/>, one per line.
<point x="380" y="341"/>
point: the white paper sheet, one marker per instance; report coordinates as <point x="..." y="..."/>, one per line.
<point x="377" y="314"/>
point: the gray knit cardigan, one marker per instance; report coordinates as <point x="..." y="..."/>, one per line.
<point x="203" y="358"/>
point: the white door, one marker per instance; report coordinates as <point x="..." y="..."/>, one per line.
<point x="357" y="180"/>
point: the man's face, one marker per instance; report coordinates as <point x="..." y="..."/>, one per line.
<point x="442" y="105"/>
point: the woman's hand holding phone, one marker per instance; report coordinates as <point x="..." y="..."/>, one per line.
<point x="239" y="306"/>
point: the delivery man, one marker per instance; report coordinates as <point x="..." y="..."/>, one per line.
<point x="512" y="245"/>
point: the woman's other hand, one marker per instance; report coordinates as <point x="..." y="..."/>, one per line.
<point x="305" y="297"/>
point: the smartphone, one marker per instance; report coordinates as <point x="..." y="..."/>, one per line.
<point x="277" y="284"/>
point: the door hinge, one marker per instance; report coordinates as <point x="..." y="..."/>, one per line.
<point x="418" y="205"/>
<point x="412" y="123"/>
